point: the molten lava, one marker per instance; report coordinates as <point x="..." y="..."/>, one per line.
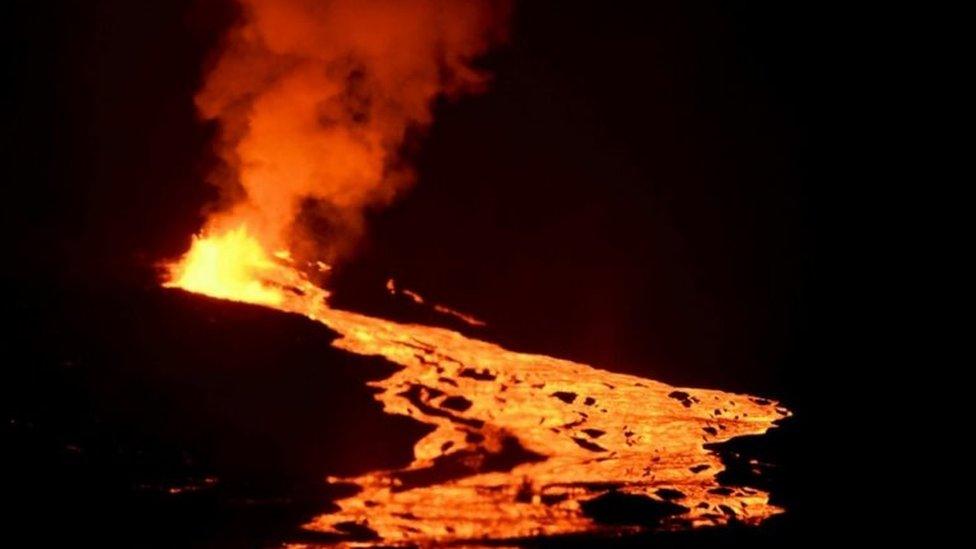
<point x="522" y="445"/>
<point x="314" y="102"/>
<point x="231" y="265"/>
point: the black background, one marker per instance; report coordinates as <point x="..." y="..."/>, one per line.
<point x="663" y="189"/>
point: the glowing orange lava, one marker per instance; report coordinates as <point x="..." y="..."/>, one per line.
<point x="522" y="445"/>
<point x="231" y="265"/>
<point x="315" y="101"/>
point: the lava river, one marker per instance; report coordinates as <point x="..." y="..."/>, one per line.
<point x="522" y="445"/>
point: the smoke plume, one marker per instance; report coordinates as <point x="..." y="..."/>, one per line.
<point x="315" y="99"/>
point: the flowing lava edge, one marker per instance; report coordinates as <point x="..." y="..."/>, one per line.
<point x="524" y="446"/>
<point x="555" y="460"/>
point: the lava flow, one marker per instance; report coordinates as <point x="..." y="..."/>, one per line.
<point x="315" y="101"/>
<point x="522" y="445"/>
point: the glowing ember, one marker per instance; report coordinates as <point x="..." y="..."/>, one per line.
<point x="523" y="445"/>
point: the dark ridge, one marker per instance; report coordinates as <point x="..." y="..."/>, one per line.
<point x="617" y="508"/>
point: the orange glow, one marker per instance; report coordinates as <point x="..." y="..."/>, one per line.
<point x="314" y="100"/>
<point x="232" y="265"/>
<point x="579" y="431"/>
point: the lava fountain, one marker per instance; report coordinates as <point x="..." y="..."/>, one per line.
<point x="313" y="99"/>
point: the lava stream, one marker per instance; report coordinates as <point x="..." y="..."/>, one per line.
<point x="522" y="445"/>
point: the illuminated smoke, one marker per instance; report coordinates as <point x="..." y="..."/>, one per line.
<point x="315" y="100"/>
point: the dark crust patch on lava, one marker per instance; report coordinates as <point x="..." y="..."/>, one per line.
<point x="669" y="494"/>
<point x="480" y="375"/>
<point x="615" y="507"/>
<point x="456" y="403"/>
<point x="416" y="393"/>
<point x="467" y="462"/>
<point x="587" y="445"/>
<point x="684" y="398"/>
<point x="565" y="396"/>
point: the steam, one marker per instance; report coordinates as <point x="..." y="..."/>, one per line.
<point x="315" y="99"/>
